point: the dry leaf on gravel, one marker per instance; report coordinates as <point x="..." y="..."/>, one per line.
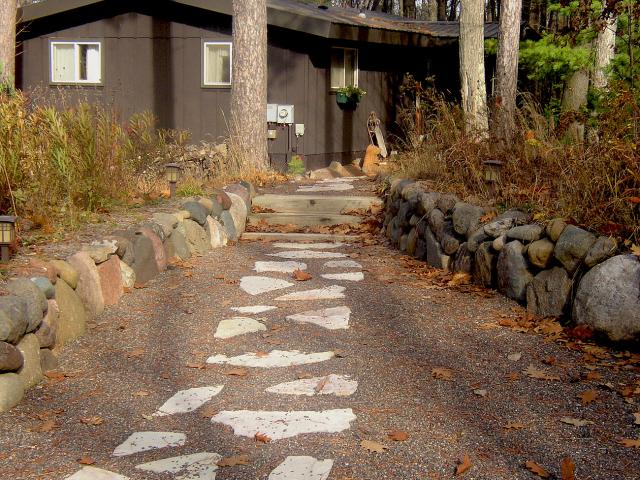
<point x="96" y="420"/>
<point x="45" y="427"/>
<point x="262" y="437"/>
<point x="442" y="373"/>
<point x="233" y="461"/>
<point x="301" y="276"/>
<point x="86" y="460"/>
<point x="630" y="442"/>
<point x="136" y="353"/>
<point x="458" y="279"/>
<point x="588" y="397"/>
<point x="208" y="412"/>
<point x="301" y="376"/>
<point x="141" y="393"/>
<point x="464" y="464"/>
<point x="533" y="372"/>
<point x="536" y="469"/>
<point x="514" y="357"/>
<point x="55" y="376"/>
<point x="636" y="418"/>
<point x="372" y="446"/>
<point x="568" y="469"/>
<point x="321" y="384"/>
<point x="480" y="392"/>
<point x="198" y="365"/>
<point x="261" y="354"/>
<point x="398" y="436"/>
<point x="593" y="376"/>
<point x="514" y="426"/>
<point x="237" y="372"/>
<point x="576" y="422"/>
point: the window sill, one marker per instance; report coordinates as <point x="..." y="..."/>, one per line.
<point x="75" y="84"/>
<point x="216" y="87"/>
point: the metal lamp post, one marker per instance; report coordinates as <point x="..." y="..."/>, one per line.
<point x="173" y="173"/>
<point x="7" y="235"/>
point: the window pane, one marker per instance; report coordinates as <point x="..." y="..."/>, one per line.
<point x="89" y="63"/>
<point x="350" y="67"/>
<point x="217" y="64"/>
<point x="337" y="68"/>
<point x="63" y="62"/>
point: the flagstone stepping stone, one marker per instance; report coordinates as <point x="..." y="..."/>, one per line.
<point x="279" y="425"/>
<point x="339" y="179"/>
<point x="333" y="318"/>
<point x="197" y="466"/>
<point x="93" y="473"/>
<point x="338" y="385"/>
<point x="327" y="293"/>
<point x="232" y="327"/>
<point x="254" y="309"/>
<point x="302" y="468"/>
<point x="326" y="187"/>
<point x="342" y="264"/>
<point x="349" y="276"/>
<point x="143" y="441"/>
<point x="283" y="267"/>
<point x="258" y="285"/>
<point x="308" y="246"/>
<point x="188" y="400"/>
<point x="273" y="359"/>
<point x="307" y="254"/>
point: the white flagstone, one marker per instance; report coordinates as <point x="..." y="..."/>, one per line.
<point x="302" y="468"/>
<point x="338" y="385"/>
<point x="232" y="327"/>
<point x="278" y="425"/>
<point x="308" y="246"/>
<point x="143" y="441"/>
<point x="256" y="285"/>
<point x="283" y="267"/>
<point x="307" y="254"/>
<point x="342" y="264"/>
<point x="93" y="473"/>
<point x="326" y="187"/>
<point x="188" y="400"/>
<point x="333" y="318"/>
<point x="254" y="309"/>
<point x="340" y="179"/>
<point x="349" y="276"/>
<point x="197" y="466"/>
<point x="327" y="293"/>
<point x="273" y="359"/>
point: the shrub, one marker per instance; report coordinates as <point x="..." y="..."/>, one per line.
<point x="295" y="166"/>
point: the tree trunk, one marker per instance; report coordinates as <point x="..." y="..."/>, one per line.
<point x="7" y="42"/>
<point x="507" y="70"/>
<point x="432" y="10"/>
<point x="409" y="8"/>
<point x="472" y="81"/>
<point x="442" y="10"/>
<point x="249" y="83"/>
<point x="574" y="98"/>
<point x="604" y="51"/>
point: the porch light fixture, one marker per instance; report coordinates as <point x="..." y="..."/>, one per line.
<point x="7" y="235"/>
<point x="172" y="171"/>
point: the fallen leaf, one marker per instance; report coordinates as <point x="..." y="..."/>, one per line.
<point x="549" y="360"/>
<point x="575" y="421"/>
<point x="630" y="442"/>
<point x="237" y="372"/>
<point x="146" y="417"/>
<point x="86" y="460"/>
<point x="301" y="376"/>
<point x="635" y="250"/>
<point x="321" y="384"/>
<point x="480" y="392"/>
<point x="533" y="372"/>
<point x="464" y="464"/>
<point x="398" y="436"/>
<point x="136" y="353"/>
<point x="198" y="365"/>
<point x="208" y="411"/>
<point x="141" y="393"/>
<point x="442" y="373"/>
<point x="514" y="357"/>
<point x="261" y="354"/>
<point x="536" y="469"/>
<point x="262" y="437"/>
<point x="188" y="274"/>
<point x="55" y="376"/>
<point x="373" y="446"/>
<point x="588" y="397"/>
<point x="636" y="417"/>
<point x="514" y="426"/>
<point x="568" y="469"/>
<point x="513" y="376"/>
<point x="301" y="276"/>
<point x="45" y="426"/>
<point x="459" y="278"/>
<point x="233" y="461"/>
<point x="593" y="376"/>
<point x="339" y="353"/>
<point x="92" y="420"/>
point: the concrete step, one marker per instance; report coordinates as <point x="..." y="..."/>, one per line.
<point x="313" y="203"/>
<point x="302" y="220"/>
<point x="299" y="237"/>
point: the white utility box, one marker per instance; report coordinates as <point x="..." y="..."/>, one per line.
<point x="299" y="129"/>
<point x="285" y="114"/>
<point x="272" y="112"/>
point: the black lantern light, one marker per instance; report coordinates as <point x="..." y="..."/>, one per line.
<point x="7" y="235"/>
<point x="172" y="171"/>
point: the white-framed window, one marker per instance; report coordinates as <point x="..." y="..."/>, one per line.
<point x="76" y="62"/>
<point x="344" y="67"/>
<point x="216" y="64"/>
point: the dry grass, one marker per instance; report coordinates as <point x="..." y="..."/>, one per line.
<point x="595" y="183"/>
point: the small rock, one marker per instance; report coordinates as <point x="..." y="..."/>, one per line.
<point x="216" y="233"/>
<point x="153" y="227"/>
<point x="238" y="211"/>
<point x="602" y="249"/>
<point x="466" y="218"/>
<point x="111" y="280"/>
<point x="166" y="221"/>
<point x="197" y="212"/>
<point x="403" y="242"/>
<point x="182" y="215"/>
<point x="176" y="245"/>
<point x="89" y="289"/>
<point x="421" y="249"/>
<point x="572" y="247"/>
<point x="518" y="216"/>
<point x="48" y="360"/>
<point x="72" y="320"/>
<point x="446" y="202"/>
<point x="223" y="199"/>
<point x="240" y="191"/>
<point x="525" y="233"/>
<point x="513" y="274"/>
<point x="123" y="241"/>
<point x="484" y="265"/>
<point x="127" y="275"/>
<point x="13" y="318"/>
<point x="10" y="358"/>
<point x="413" y="220"/>
<point x="66" y="272"/>
<point x="100" y="251"/>
<point x="45" y="286"/>
<point x="436" y="223"/>
<point x="145" y="264"/>
<point x="31" y="371"/>
<point x="207" y="203"/>
<point x="196" y="237"/>
<point x="499" y="242"/>
<point x="498" y="227"/>
<point x="36" y="301"/>
<point x="11" y="391"/>
<point x="555" y="228"/>
<point x="435" y="256"/>
<point x="549" y="292"/>
<point x="540" y="252"/>
<point x="476" y="238"/>
<point x="158" y="248"/>
<point x="428" y="201"/>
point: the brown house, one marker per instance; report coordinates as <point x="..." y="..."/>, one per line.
<point x="173" y="57"/>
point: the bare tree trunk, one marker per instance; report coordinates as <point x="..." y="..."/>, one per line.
<point x="442" y="10"/>
<point x="507" y="69"/>
<point x="409" y="8"/>
<point x="249" y="82"/>
<point x="472" y="80"/>
<point x="453" y="10"/>
<point x="7" y="42"/>
<point x="605" y="50"/>
<point x="432" y="10"/>
<point x="574" y="98"/>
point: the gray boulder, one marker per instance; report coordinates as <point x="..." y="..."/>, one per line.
<point x="525" y="233"/>
<point x="466" y="218"/>
<point x="608" y="298"/>
<point x="412" y="240"/>
<point x="549" y="292"/>
<point x="446" y="202"/>
<point x="404" y="214"/>
<point x="124" y="241"/>
<point x="436" y="223"/>
<point x="72" y="318"/>
<point x="196" y="211"/>
<point x="100" y="251"/>
<point x="435" y="256"/>
<point x="602" y="249"/>
<point x="540" y="252"/>
<point x="11" y="391"/>
<point x="48" y="360"/>
<point x="555" y="228"/>
<point x="411" y="193"/>
<point x="31" y="371"/>
<point x="153" y="227"/>
<point x="403" y="242"/>
<point x="89" y="288"/>
<point x="35" y="299"/>
<point x="513" y="274"/>
<point x="239" y="212"/>
<point x="66" y="272"/>
<point x="518" y="216"/>
<point x="476" y="238"/>
<point x="484" y="265"/>
<point x="572" y="247"/>
<point x="230" y="227"/>
<point x="10" y="357"/>
<point x="499" y="226"/>
<point x="13" y="318"/>
<point x="45" y="286"/>
<point x="176" y="245"/>
<point x="421" y="249"/>
<point x="240" y="191"/>
<point x="428" y="201"/>
<point x="166" y="221"/>
<point x="463" y="260"/>
<point x="216" y="207"/>
<point x="144" y="264"/>
<point x="196" y="237"/>
<point x="499" y="243"/>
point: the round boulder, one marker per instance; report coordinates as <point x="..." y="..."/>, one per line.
<point x="35" y="299"/>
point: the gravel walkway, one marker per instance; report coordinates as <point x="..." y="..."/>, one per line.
<point x="439" y="371"/>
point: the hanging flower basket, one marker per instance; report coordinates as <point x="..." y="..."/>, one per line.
<point x="342" y="98"/>
<point x="349" y="96"/>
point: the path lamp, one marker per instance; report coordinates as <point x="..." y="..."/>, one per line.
<point x="7" y="235"/>
<point x="492" y="170"/>
<point x="172" y="171"/>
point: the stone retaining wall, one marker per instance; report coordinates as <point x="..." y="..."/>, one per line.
<point x="553" y="268"/>
<point x="44" y="312"/>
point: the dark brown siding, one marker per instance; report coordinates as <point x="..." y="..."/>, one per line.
<point x="152" y="62"/>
